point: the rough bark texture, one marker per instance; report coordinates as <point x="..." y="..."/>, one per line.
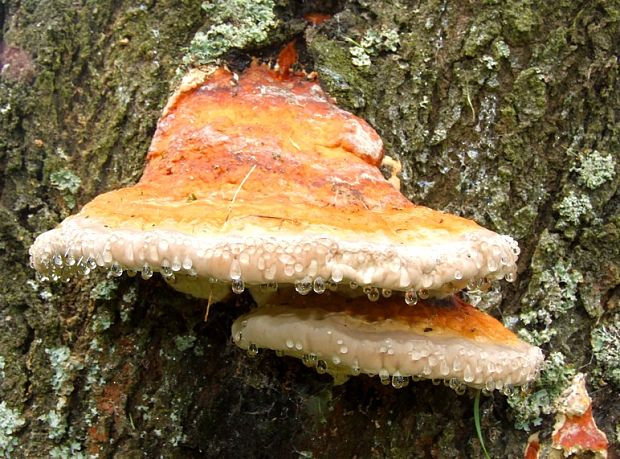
<point x="502" y="111"/>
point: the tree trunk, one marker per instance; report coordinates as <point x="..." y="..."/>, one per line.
<point x="504" y="112"/>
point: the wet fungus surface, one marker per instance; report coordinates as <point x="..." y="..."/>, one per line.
<point x="259" y="181"/>
<point x="441" y="339"/>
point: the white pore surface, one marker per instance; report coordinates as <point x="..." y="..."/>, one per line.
<point x="257" y="256"/>
<point x="349" y="345"/>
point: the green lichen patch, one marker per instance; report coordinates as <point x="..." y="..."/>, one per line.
<point x="605" y="340"/>
<point x="529" y="406"/>
<point x="372" y="43"/>
<point x="595" y="169"/>
<point x="573" y="208"/>
<point x="67" y="183"/>
<point x="104" y="290"/>
<point x="234" y="24"/>
<point x="11" y="421"/>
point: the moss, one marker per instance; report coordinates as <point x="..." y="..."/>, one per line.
<point x="529" y="96"/>
<point x="234" y="24"/>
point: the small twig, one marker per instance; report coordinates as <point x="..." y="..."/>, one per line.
<point x="232" y="202"/>
<point x="209" y="303"/>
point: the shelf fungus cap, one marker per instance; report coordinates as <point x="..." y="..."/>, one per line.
<point x="441" y="339"/>
<point x="260" y="178"/>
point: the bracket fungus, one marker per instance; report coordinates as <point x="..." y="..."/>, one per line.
<point x="259" y="180"/>
<point x="441" y="339"/>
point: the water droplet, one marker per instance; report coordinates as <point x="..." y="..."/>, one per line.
<point x="304" y="286"/>
<point x="384" y="376"/>
<point x="69" y="260"/>
<point x="337" y="275"/>
<point x="252" y="350"/>
<point x="235" y="270"/>
<point x="289" y="343"/>
<point x="147" y="272"/>
<point x="336" y="360"/>
<point x="107" y="256"/>
<point x="57" y="260"/>
<point x="492" y="265"/>
<point x="321" y="367"/>
<point x="83" y="268"/>
<point x="353" y="285"/>
<point x="116" y="270"/>
<point x="91" y="263"/>
<point x="166" y="271"/>
<point x="331" y="285"/>
<point x="423" y="293"/>
<point x="237" y="286"/>
<point x="372" y="293"/>
<point x="344" y="349"/>
<point x="427" y="281"/>
<point x="398" y="382"/>
<point x="299" y="346"/>
<point x="187" y="263"/>
<point x="511" y="276"/>
<point x="468" y="374"/>
<point x="131" y="273"/>
<point x="318" y="285"/>
<point x="458" y="275"/>
<point x="411" y="297"/>
<point x="386" y="292"/>
<point x="309" y="360"/>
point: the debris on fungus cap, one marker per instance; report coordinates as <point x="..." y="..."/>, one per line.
<point x="259" y="178"/>
<point x="440" y="339"/>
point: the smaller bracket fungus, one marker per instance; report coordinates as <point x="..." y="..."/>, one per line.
<point x="259" y="178"/>
<point x="441" y="339"/>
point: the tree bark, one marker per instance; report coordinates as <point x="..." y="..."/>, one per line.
<point x="504" y="112"/>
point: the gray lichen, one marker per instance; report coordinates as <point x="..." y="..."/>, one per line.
<point x="234" y="24"/>
<point x="574" y="207"/>
<point x="372" y="43"/>
<point x="605" y="340"/>
<point x="595" y="169"/>
<point x="10" y="422"/>
<point x="67" y="183"/>
<point x="530" y="407"/>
